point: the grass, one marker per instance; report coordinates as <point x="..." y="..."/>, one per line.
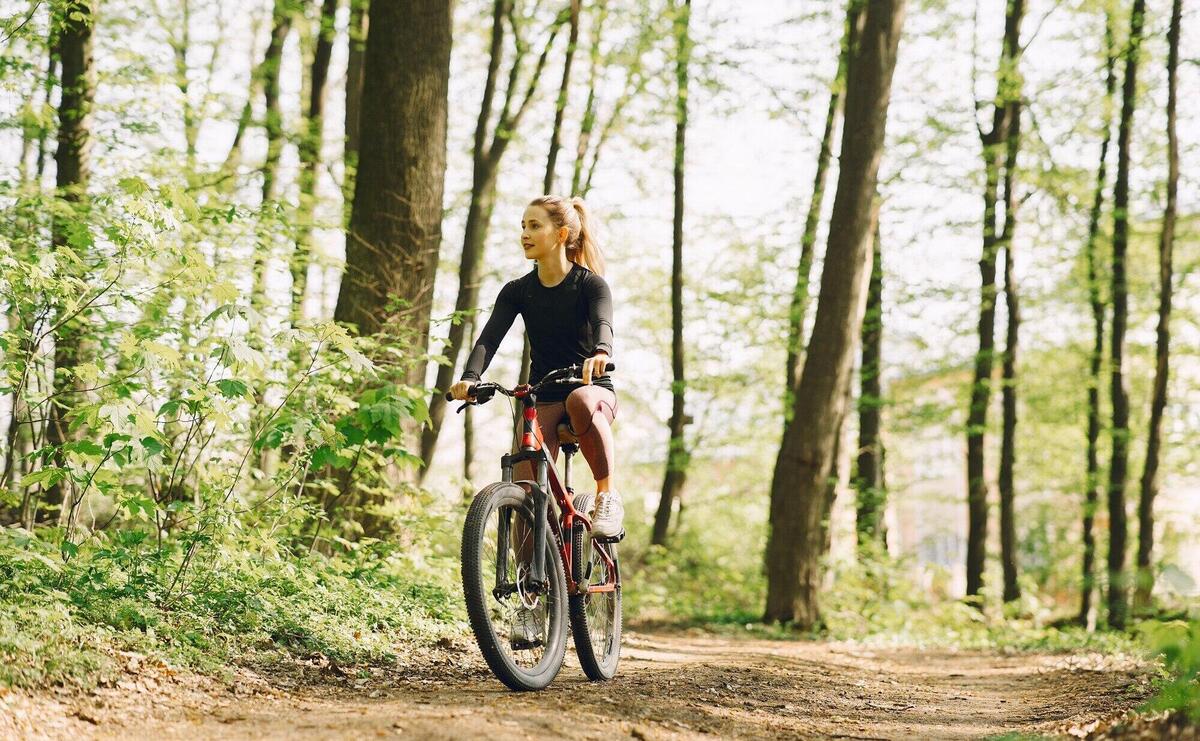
<point x="61" y="623"/>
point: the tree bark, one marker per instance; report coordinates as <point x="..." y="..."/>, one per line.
<point x="1158" y="404"/>
<point x="869" y="480"/>
<point x="588" y="122"/>
<point x="356" y="45"/>
<point x="995" y="141"/>
<point x="281" y="25"/>
<point x="796" y="542"/>
<point x="310" y="157"/>
<point x="488" y="153"/>
<point x="1008" y="439"/>
<point x="396" y="220"/>
<point x="677" y="453"/>
<point x="73" y="44"/>
<point x="801" y="293"/>
<point x="560" y="103"/>
<point x="1118" y="470"/>
<point x="1092" y="484"/>
<point x="1008" y="393"/>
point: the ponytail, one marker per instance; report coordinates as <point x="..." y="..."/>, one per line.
<point x="586" y="252"/>
<point x="582" y="248"/>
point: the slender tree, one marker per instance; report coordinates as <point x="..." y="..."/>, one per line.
<point x="1008" y="391"/>
<point x="800" y="295"/>
<point x="310" y="156"/>
<point x="396" y="220"/>
<point x="560" y="103"/>
<point x="868" y="478"/>
<point x="356" y="39"/>
<point x="798" y="504"/>
<point x="1005" y="110"/>
<point x="677" y="454"/>
<point x="73" y="21"/>
<point x="588" y="121"/>
<point x="1092" y="482"/>
<point x="489" y="150"/>
<point x="1149" y="483"/>
<point x="1118" y="469"/>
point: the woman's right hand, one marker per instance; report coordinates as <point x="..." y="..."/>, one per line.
<point x="462" y="390"/>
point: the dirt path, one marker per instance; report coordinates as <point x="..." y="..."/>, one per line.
<point x="669" y="686"/>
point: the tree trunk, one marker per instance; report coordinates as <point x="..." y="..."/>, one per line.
<point x="588" y="121"/>
<point x="1118" y="470"/>
<point x="995" y="141"/>
<point x="1008" y="392"/>
<point x="869" y="480"/>
<point x="677" y="454"/>
<point x="487" y="158"/>
<point x="560" y="104"/>
<point x="800" y="296"/>
<point x="1092" y="491"/>
<point x="1008" y="529"/>
<point x="310" y="157"/>
<point x="795" y="545"/>
<point x="396" y="220"/>
<point x="281" y="25"/>
<point x="1158" y="404"/>
<point x="73" y="160"/>
<point x="356" y="45"/>
<point x="468" y="434"/>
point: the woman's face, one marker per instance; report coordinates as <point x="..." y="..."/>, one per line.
<point x="539" y="236"/>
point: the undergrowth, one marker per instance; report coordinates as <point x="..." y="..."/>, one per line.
<point x="61" y="623"/>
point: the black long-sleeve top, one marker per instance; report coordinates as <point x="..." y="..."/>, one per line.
<point x="567" y="324"/>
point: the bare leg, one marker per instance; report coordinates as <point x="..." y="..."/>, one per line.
<point x="592" y="410"/>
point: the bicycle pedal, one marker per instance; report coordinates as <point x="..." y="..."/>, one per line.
<point x="611" y="538"/>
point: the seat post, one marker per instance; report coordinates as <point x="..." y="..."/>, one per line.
<point x="568" y="454"/>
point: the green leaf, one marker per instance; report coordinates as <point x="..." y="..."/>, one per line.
<point x="232" y="388"/>
<point x="84" y="447"/>
<point x="152" y="446"/>
<point x="48" y="476"/>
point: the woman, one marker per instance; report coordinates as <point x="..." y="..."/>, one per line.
<point x="567" y="309"/>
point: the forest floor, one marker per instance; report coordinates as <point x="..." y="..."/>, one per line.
<point x="676" y="684"/>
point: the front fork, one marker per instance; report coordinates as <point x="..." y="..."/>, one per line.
<point x="530" y="451"/>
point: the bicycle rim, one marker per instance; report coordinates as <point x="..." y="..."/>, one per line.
<point x="497" y="544"/>
<point x="595" y="616"/>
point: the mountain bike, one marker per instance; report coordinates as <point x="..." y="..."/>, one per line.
<point x="506" y="579"/>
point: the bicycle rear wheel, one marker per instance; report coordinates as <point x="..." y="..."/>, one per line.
<point x="595" y="616"/>
<point x="496" y="548"/>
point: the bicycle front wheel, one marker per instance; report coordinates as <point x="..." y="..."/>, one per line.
<point x="595" y="615"/>
<point x="521" y="630"/>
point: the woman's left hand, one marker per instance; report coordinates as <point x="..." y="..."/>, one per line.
<point x="594" y="366"/>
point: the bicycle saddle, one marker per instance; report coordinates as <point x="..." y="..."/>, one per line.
<point x="566" y="436"/>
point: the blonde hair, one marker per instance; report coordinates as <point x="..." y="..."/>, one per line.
<point x="572" y="213"/>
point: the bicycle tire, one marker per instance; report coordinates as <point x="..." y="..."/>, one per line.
<point x="597" y="636"/>
<point x="482" y="604"/>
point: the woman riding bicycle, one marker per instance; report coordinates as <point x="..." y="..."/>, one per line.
<point x="567" y="309"/>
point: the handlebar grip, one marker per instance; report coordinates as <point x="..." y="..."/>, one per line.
<point x="449" y="396"/>
<point x="610" y="367"/>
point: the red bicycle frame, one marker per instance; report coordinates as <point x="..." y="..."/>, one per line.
<point x="533" y="449"/>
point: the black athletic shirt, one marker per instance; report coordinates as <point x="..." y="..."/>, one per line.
<point x="567" y="324"/>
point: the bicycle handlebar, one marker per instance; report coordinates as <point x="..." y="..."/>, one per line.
<point x="487" y="390"/>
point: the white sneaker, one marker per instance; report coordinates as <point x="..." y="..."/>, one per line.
<point x="526" y="633"/>
<point x="609" y="514"/>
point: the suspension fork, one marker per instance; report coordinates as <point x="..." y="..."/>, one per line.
<point x="529" y="445"/>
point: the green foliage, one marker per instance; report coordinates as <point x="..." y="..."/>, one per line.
<point x="60" y="623"/>
<point x="1177" y="643"/>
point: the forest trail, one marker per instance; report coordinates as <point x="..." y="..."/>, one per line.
<point x="670" y="686"/>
